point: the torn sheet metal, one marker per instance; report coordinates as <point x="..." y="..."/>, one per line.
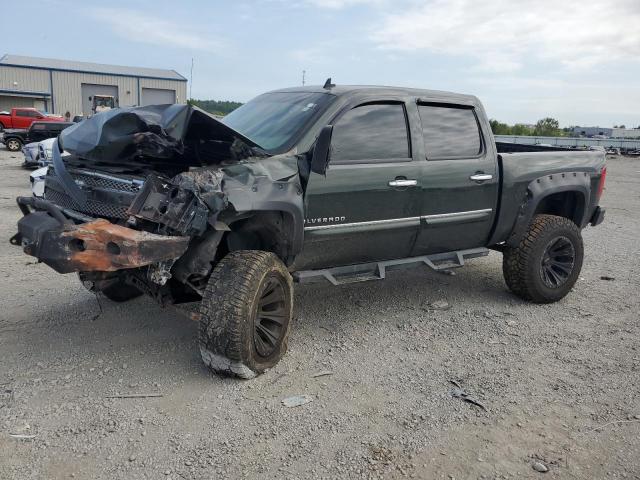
<point x="171" y="205"/>
<point x="161" y="138"/>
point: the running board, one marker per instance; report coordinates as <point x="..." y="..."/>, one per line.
<point x="377" y="270"/>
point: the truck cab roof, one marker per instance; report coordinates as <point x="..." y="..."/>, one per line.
<point x="381" y="90"/>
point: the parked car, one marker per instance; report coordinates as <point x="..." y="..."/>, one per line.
<point x="37" y="154"/>
<point x="14" y="139"/>
<point x="23" y="118"/>
<point x="336" y="183"/>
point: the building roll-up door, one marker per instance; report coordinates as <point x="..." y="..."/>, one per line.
<point x="89" y="90"/>
<point x="157" y="96"/>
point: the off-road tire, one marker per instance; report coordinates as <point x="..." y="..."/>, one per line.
<point x="116" y="291"/>
<point x="232" y="309"/>
<point x="13" y="145"/>
<point x="522" y="266"/>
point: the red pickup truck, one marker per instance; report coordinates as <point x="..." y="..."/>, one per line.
<point x="24" y="117"/>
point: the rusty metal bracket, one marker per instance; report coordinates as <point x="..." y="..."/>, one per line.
<point x="98" y="245"/>
<point x="103" y="246"/>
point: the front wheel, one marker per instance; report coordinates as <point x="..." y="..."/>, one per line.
<point x="245" y="314"/>
<point x="13" y="145"/>
<point x="546" y="264"/>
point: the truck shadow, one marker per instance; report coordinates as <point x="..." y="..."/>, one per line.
<point x="143" y="330"/>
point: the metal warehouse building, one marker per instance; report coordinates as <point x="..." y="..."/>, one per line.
<point x="61" y="86"/>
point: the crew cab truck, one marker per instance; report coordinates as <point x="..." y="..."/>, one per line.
<point x="14" y="139"/>
<point x="329" y="183"/>
<point x="23" y="118"/>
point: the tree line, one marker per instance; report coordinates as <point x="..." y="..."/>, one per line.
<point x="546" y="127"/>
<point x="216" y="107"/>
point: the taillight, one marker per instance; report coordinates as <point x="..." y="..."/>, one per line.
<point x="603" y="177"/>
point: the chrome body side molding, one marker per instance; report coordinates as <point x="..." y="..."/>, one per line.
<point x="390" y="223"/>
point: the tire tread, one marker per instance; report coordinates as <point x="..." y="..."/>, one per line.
<point x="517" y="261"/>
<point x="225" y="307"/>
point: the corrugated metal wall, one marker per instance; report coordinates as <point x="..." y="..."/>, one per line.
<point x="67" y="87"/>
<point x="67" y="90"/>
<point x="24" y="79"/>
<point x="179" y="87"/>
<point x="7" y="102"/>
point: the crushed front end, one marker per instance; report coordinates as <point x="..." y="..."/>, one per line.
<point x="138" y="198"/>
<point x="122" y="229"/>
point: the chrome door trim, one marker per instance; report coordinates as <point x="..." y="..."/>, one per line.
<point x="370" y="225"/>
<point x="457" y="216"/>
<point x="404" y="222"/>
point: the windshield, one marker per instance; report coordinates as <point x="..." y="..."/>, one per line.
<point x="274" y="120"/>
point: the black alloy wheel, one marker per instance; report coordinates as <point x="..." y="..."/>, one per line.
<point x="271" y="315"/>
<point x="557" y="263"/>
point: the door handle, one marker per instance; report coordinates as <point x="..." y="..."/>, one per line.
<point x="481" y="177"/>
<point x="403" y="183"/>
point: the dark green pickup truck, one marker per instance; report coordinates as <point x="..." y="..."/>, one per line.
<point x="337" y="183"/>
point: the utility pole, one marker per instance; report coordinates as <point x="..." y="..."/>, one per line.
<point x="304" y="73"/>
<point x="191" y="81"/>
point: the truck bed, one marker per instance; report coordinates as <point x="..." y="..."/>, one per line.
<point x="519" y="168"/>
<point x="507" y="147"/>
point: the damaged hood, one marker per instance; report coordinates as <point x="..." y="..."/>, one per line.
<point x="161" y="138"/>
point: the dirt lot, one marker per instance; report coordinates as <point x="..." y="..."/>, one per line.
<point x="559" y="382"/>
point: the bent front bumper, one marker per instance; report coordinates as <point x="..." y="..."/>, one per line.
<point x="46" y="233"/>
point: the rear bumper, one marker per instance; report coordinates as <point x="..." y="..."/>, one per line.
<point x="598" y="216"/>
<point x="47" y="233"/>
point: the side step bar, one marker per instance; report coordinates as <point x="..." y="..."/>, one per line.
<point x="377" y="270"/>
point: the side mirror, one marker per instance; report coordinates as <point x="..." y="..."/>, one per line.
<point x="320" y="159"/>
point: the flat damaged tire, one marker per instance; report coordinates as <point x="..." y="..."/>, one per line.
<point x="245" y="314"/>
<point x="545" y="265"/>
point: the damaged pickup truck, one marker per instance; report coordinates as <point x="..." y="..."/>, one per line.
<point x="336" y="183"/>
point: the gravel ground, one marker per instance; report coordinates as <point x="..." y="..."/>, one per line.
<point x="559" y="382"/>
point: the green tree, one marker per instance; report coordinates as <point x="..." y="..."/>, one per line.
<point x="217" y="107"/>
<point x="499" y="128"/>
<point x="548" y="127"/>
<point x="520" y="129"/>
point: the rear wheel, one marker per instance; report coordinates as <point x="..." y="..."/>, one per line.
<point x="13" y="145"/>
<point x="546" y="264"/>
<point x="246" y="313"/>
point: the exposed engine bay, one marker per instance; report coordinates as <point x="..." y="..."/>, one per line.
<point x="151" y="196"/>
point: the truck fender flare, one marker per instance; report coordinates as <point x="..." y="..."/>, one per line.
<point x="541" y="188"/>
<point x="294" y="211"/>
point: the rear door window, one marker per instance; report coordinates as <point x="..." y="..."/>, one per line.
<point x="371" y="132"/>
<point x="450" y="131"/>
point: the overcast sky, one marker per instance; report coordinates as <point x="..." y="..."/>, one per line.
<point x="577" y="61"/>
